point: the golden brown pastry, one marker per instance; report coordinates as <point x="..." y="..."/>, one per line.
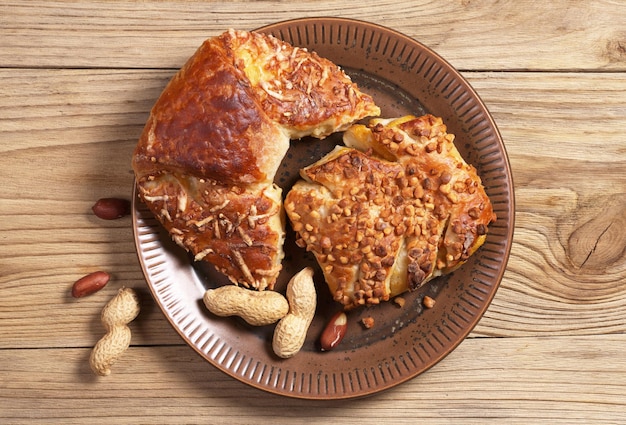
<point x="396" y="208"/>
<point x="207" y="157"/>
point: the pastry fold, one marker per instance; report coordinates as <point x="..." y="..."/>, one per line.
<point x="207" y="157"/>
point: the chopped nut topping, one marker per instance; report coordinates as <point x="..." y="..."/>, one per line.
<point x="368" y="322"/>
<point x="368" y="210"/>
<point x="428" y="302"/>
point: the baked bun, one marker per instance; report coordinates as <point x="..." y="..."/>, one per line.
<point x="395" y="208"/>
<point x="207" y="157"/>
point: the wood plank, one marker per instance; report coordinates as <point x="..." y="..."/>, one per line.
<point x="472" y="35"/>
<point x="553" y="283"/>
<point x="568" y="262"/>
<point x="486" y="380"/>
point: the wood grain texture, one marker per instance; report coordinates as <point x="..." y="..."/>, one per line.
<point x="512" y="380"/>
<point x="568" y="264"/>
<point x="78" y="80"/>
<point x="487" y="35"/>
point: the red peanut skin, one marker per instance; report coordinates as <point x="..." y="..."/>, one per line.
<point x="90" y="283"/>
<point x="334" y="331"/>
<point x="111" y="208"/>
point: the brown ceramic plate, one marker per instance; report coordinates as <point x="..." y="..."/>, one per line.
<point x="404" y="77"/>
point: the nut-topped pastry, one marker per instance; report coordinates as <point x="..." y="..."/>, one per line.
<point x="207" y="157"/>
<point x="395" y="208"/>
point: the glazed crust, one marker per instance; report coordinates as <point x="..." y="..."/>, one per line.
<point x="395" y="209"/>
<point x="215" y="139"/>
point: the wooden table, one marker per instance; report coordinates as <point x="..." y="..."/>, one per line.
<point x="78" y="80"/>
